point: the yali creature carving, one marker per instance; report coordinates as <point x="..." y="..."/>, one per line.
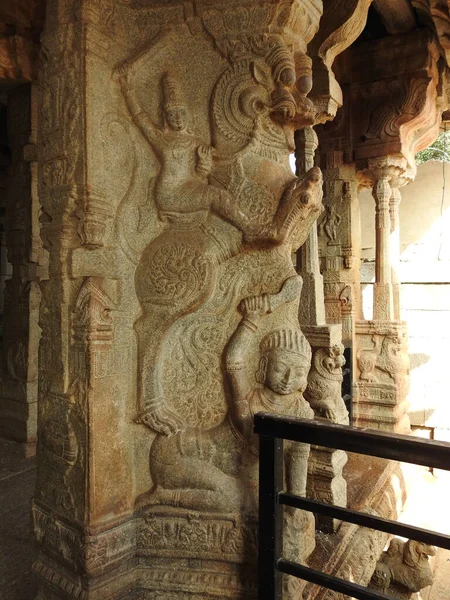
<point x="177" y="270"/>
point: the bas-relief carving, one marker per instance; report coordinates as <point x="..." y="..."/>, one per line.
<point x="403" y="569"/>
<point x="382" y="376"/>
<point x="216" y="469"/>
<point x="204" y="211"/>
<point x="386" y="361"/>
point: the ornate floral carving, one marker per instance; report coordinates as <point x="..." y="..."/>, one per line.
<point x="178" y="534"/>
<point x="176" y="272"/>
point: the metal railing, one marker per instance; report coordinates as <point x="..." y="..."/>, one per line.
<point x="273" y="430"/>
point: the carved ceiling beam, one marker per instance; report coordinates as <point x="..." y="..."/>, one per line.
<point x="396" y="96"/>
<point x="436" y="14"/>
<point x="341" y="24"/>
<point x="397" y="15"/>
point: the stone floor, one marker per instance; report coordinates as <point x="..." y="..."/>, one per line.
<point x="17" y="478"/>
<point x="428" y="506"/>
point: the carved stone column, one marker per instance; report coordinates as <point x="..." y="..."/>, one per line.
<point x="325" y="480"/>
<point x="383" y="305"/>
<point x="340" y="246"/>
<point x="394" y="205"/>
<point x="312" y="307"/>
<point x="170" y="312"/>
<point x="18" y="385"/>
<point x="382" y="363"/>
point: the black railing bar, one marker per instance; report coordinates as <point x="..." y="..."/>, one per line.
<point x="353" y="590"/>
<point x="365" y="520"/>
<point x="402" y="448"/>
<point x="270" y="537"/>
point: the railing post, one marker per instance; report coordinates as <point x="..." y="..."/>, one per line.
<point x="270" y="517"/>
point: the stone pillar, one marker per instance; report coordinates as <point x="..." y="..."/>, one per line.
<point x="325" y="481"/>
<point x="5" y="267"/>
<point x="381" y="370"/>
<point x="340" y="247"/>
<point x="383" y="306"/>
<point x="312" y="306"/>
<point x="170" y="216"/>
<point x="394" y="206"/>
<point x="18" y="388"/>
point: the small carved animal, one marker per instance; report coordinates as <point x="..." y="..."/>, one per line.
<point x="367" y="360"/>
<point x="404" y="569"/>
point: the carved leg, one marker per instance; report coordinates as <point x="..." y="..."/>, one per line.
<point x="190" y="482"/>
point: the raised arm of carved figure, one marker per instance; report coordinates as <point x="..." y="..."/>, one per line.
<point x="150" y="131"/>
<point x="253" y="309"/>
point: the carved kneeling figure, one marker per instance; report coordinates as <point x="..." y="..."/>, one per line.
<point x="216" y="470"/>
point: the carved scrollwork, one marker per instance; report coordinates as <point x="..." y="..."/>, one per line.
<point x="176" y="273"/>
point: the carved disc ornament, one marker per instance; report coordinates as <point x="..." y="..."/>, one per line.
<point x="176" y="272"/>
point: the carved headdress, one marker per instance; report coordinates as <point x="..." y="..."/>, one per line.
<point x="291" y="340"/>
<point x="172" y="96"/>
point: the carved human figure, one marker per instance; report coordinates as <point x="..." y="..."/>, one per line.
<point x="330" y="223"/>
<point x="324" y="392"/>
<point x="214" y="470"/>
<point x="176" y="272"/>
<point x="283" y="370"/>
<point x="403" y="569"/>
<point x="282" y="375"/>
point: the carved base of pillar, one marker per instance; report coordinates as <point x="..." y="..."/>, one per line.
<point x="326" y="483"/>
<point x="383" y="306"/>
<point x="84" y="565"/>
<point x="352" y="552"/>
<point x="381" y="381"/>
<point x="379" y="406"/>
<point x="325" y="480"/>
<point x="185" y="554"/>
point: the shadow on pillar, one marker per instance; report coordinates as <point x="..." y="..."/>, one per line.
<point x="19" y="289"/>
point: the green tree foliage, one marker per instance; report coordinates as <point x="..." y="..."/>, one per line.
<point x="439" y="149"/>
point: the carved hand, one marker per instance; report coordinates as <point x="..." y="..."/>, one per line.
<point x="255" y="306"/>
<point x="205" y="154"/>
<point x="122" y="73"/>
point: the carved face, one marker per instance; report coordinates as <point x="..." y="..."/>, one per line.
<point x="176" y="117"/>
<point x="286" y="372"/>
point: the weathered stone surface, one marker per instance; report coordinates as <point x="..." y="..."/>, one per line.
<point x="403" y="569"/>
<point x="169" y="316"/>
<point x="170" y="306"/>
<point x="17" y="548"/>
<point x="382" y="494"/>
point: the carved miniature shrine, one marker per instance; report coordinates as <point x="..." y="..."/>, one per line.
<point x="187" y="278"/>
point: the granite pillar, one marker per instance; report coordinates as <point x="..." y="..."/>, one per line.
<point x="169" y="313"/>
